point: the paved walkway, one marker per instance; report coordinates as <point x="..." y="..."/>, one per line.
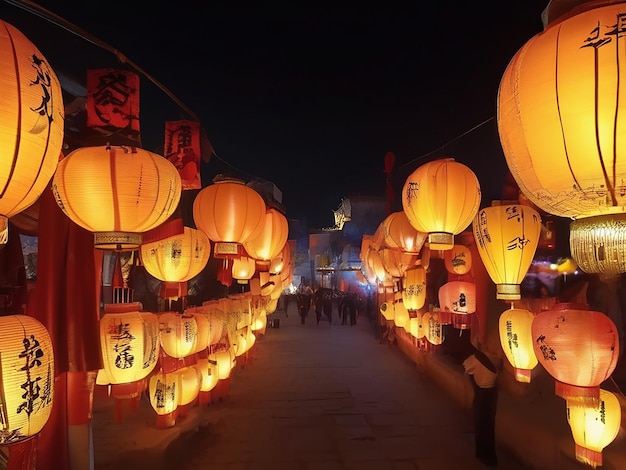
<point x="310" y="396"/>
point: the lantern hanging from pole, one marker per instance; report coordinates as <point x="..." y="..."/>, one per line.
<point x="31" y="124"/>
<point x="516" y="338"/>
<point x="458" y="260"/>
<point x="559" y="114"/>
<point x="26" y="376"/>
<point x="441" y="198"/>
<point x="578" y="347"/>
<point x="598" y="244"/>
<point x="134" y="191"/>
<point x="506" y="238"/>
<point x="401" y="314"/>
<point x="594" y="427"/>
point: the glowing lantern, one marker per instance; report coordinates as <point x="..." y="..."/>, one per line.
<point x="516" y="338"/>
<point x="399" y="233"/>
<point x="416" y="326"/>
<point x="134" y="191"/>
<point x="177" y="258"/>
<point x="164" y="391"/>
<point x="506" y="239"/>
<point x="27" y="376"/>
<point x="130" y="345"/>
<point x="433" y="327"/>
<point x="230" y="213"/>
<point x="223" y="361"/>
<point x="270" y="241"/>
<point x="178" y="334"/>
<point x="576" y="346"/>
<point x="598" y="244"/>
<point x="204" y="331"/>
<point x="387" y="310"/>
<point x="441" y="198"/>
<point x="189" y="381"/>
<point x="396" y="261"/>
<point x="414" y="288"/>
<point x="594" y="427"/>
<point x="559" y="118"/>
<point x="31" y="124"/>
<point x="401" y="314"/>
<point x="458" y="297"/>
<point x="458" y="260"/>
<point x="208" y="372"/>
<point x="243" y="269"/>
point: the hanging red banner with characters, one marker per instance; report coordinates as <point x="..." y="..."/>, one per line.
<point x="182" y="148"/>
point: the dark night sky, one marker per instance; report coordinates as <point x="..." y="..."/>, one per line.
<point x="310" y="98"/>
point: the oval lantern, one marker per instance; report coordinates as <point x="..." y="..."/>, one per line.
<point x="134" y="191"/>
<point x="458" y="297"/>
<point x="559" y="119"/>
<point x="208" y="372"/>
<point x="516" y="338"/>
<point x="189" y="382"/>
<point x="414" y="288"/>
<point x="576" y="346"/>
<point x="164" y="391"/>
<point x="31" y="124"/>
<point x="399" y="233"/>
<point x="458" y="260"/>
<point x="441" y="198"/>
<point x="594" y="427"/>
<point x="506" y="238"/>
<point x="230" y="213"/>
<point x="27" y="377"/>
<point x="401" y="314"/>
<point x="269" y="242"/>
<point x="177" y="258"/>
<point x="178" y="334"/>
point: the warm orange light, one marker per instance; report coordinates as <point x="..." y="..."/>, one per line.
<point x="458" y="260"/>
<point x="269" y="243"/>
<point x="399" y="233"/>
<point x="414" y="288"/>
<point x="178" y="333"/>
<point x="243" y="269"/>
<point x="515" y="327"/>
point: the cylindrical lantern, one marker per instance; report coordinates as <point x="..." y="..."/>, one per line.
<point x="134" y="190"/>
<point x="516" y="338"/>
<point x="598" y="244"/>
<point x="189" y="381"/>
<point x="433" y="327"/>
<point x="208" y="372"/>
<point x="594" y="427"/>
<point x="243" y="269"/>
<point x="576" y="346"/>
<point x="458" y="260"/>
<point x="230" y="213"/>
<point x="416" y="326"/>
<point x="164" y="391"/>
<point x="177" y="258"/>
<point x="401" y="314"/>
<point x="269" y="242"/>
<point x="559" y="115"/>
<point x="31" y="124"/>
<point x="414" y="288"/>
<point x="130" y="345"/>
<point x="387" y="310"/>
<point x="441" y="198"/>
<point x="178" y="334"/>
<point x="224" y="362"/>
<point x="506" y="239"/>
<point x="26" y="376"/>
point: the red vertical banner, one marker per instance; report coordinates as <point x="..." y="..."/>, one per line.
<point x="182" y="148"/>
<point x="113" y="101"/>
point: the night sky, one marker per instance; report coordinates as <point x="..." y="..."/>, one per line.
<point x="310" y="98"/>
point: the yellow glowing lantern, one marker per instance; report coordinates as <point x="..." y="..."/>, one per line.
<point x="230" y="213"/>
<point x="441" y="198"/>
<point x="208" y="373"/>
<point x="396" y="261"/>
<point x="416" y="326"/>
<point x="506" y="238"/>
<point x="164" y="392"/>
<point x="189" y="381"/>
<point x="31" y="124"/>
<point x="458" y="260"/>
<point x="387" y="310"/>
<point x="598" y="244"/>
<point x="515" y="326"/>
<point x="223" y="361"/>
<point x="559" y="118"/>
<point x="401" y="314"/>
<point x="271" y="306"/>
<point x="130" y="345"/>
<point x="134" y="191"/>
<point x="203" y="325"/>
<point x="270" y="241"/>
<point x="243" y="269"/>
<point x="399" y="233"/>
<point x="27" y="377"/>
<point x="414" y="288"/>
<point x="594" y="426"/>
<point x="433" y="327"/>
<point x="177" y="258"/>
<point x="178" y="333"/>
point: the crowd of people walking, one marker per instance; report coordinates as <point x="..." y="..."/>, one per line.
<point x="323" y="301"/>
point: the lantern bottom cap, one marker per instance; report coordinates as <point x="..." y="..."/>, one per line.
<point x="118" y="241"/>
<point x="441" y="240"/>
<point x="508" y="292"/>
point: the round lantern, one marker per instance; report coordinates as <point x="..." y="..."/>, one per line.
<point x="516" y="338"/>
<point x="269" y="242"/>
<point x="27" y="377"/>
<point x="559" y="118"/>
<point x="396" y="262"/>
<point x="458" y="297"/>
<point x="506" y="238"/>
<point x="576" y="346"/>
<point x="116" y="192"/>
<point x="177" y="258"/>
<point x="31" y="124"/>
<point x="598" y="244"/>
<point x="441" y="198"/>
<point x="130" y="345"/>
<point x="414" y="288"/>
<point x="594" y="427"/>
<point x="230" y="213"/>
<point x="458" y="260"/>
<point x="178" y="334"/>
<point x="399" y="233"/>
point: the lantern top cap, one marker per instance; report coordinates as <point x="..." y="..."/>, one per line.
<point x="221" y="178"/>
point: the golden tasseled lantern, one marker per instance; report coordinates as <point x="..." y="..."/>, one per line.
<point x="458" y="260"/>
<point x="230" y="213"/>
<point x="271" y="240"/>
<point x="414" y="288"/>
<point x="31" y="124"/>
<point x="559" y="114"/>
<point x="116" y="192"/>
<point x="177" y="258"/>
<point x="594" y="426"/>
<point x="578" y="347"/>
<point x="26" y="376"/>
<point x="441" y="198"/>
<point x="506" y="238"/>
<point x="516" y="338"/>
